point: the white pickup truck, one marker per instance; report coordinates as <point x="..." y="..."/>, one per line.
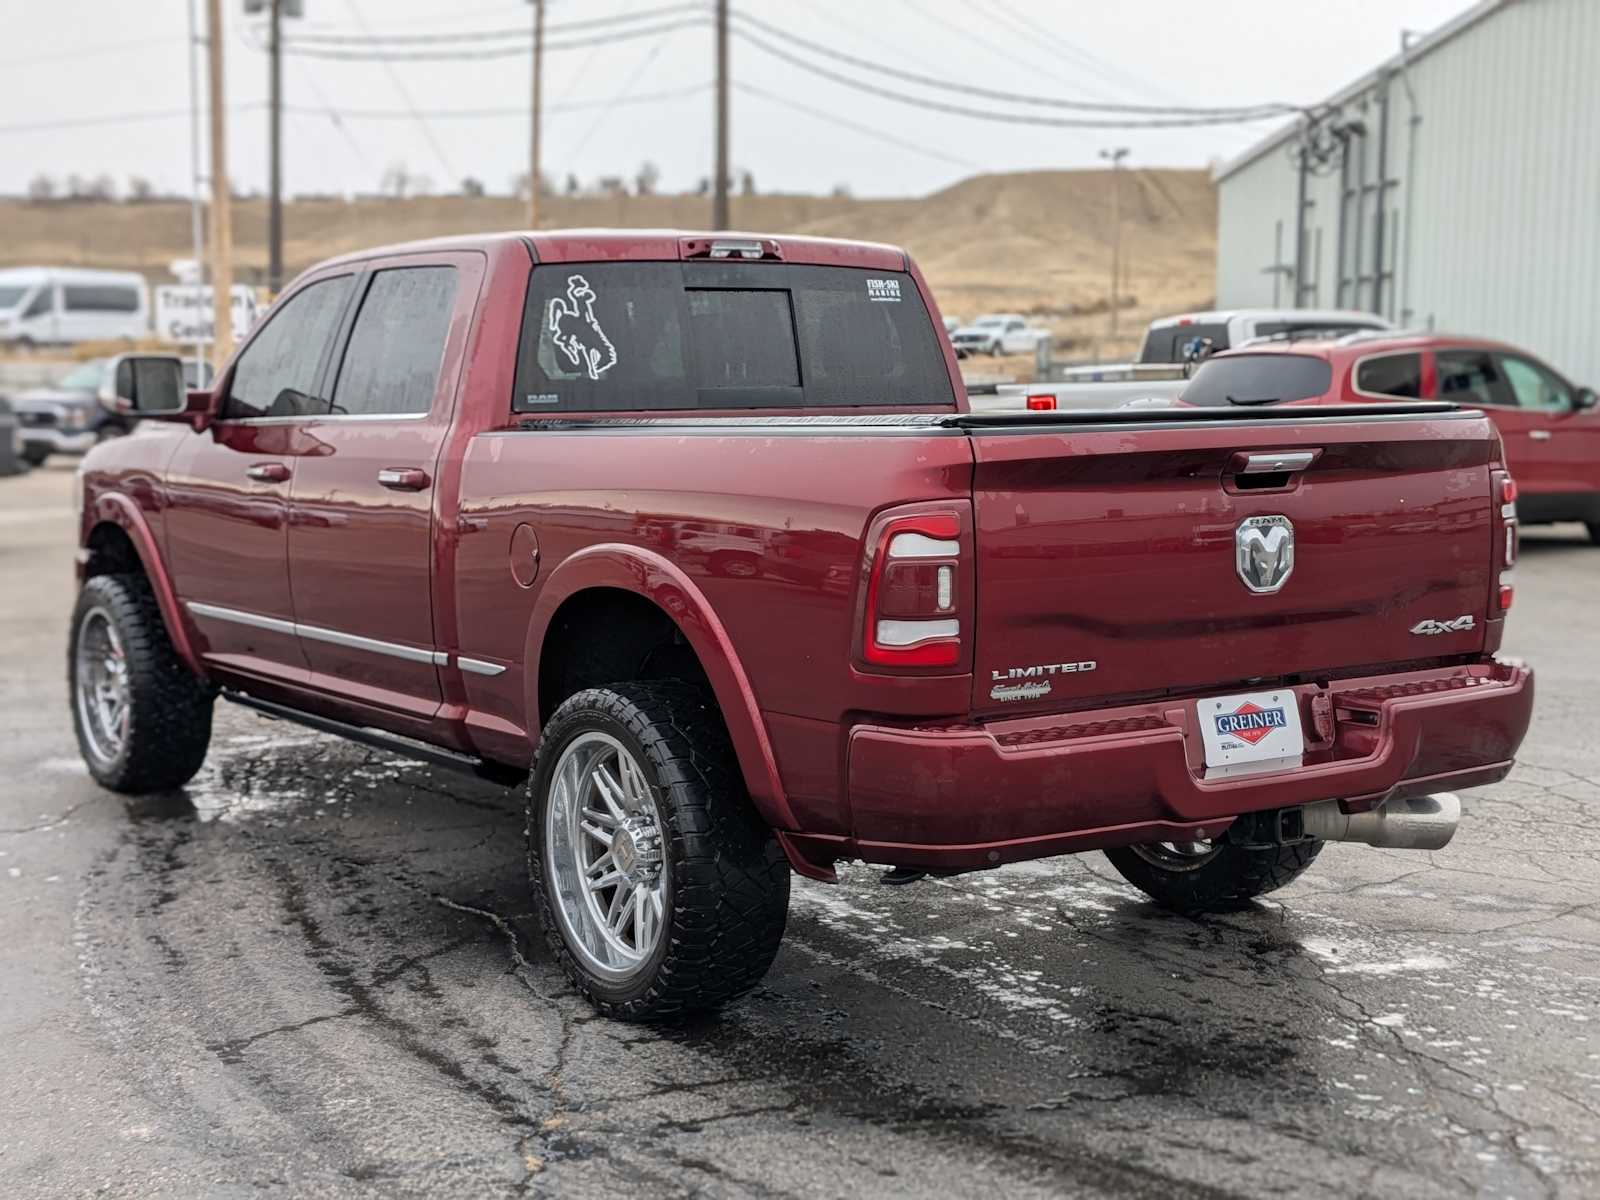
<point x="997" y="333"/>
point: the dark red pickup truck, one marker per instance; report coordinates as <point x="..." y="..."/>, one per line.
<point x="699" y="532"/>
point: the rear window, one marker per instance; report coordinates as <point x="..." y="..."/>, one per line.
<point x="1391" y="375"/>
<point x="607" y="337"/>
<point x="1258" y="379"/>
<point x="1174" y="343"/>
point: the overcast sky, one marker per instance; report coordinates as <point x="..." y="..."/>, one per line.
<point x="73" y="66"/>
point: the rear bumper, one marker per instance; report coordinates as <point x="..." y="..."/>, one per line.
<point x="961" y="797"/>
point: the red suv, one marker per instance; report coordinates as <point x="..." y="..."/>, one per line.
<point x="1550" y="427"/>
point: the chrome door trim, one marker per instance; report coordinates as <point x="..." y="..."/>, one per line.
<point x="256" y="620"/>
<point x="316" y="633"/>
<point x="478" y="667"/>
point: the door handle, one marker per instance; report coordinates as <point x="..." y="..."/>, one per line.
<point x="268" y="472"/>
<point x="1539" y="435"/>
<point x="403" y="479"/>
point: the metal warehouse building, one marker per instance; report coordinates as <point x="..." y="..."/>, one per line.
<point x="1456" y="187"/>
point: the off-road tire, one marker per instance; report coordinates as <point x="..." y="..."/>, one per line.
<point x="1230" y="879"/>
<point x="169" y="720"/>
<point x="727" y="895"/>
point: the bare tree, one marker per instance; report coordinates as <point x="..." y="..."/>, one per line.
<point x="41" y="189"/>
<point x="747" y="183"/>
<point x="103" y="188"/>
<point x="395" y="181"/>
<point x="647" y="178"/>
<point x="611" y="185"/>
<point x="472" y="187"/>
<point x="573" y="187"/>
<point x="140" y="189"/>
<point x="841" y="191"/>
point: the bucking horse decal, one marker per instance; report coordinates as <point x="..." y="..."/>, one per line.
<point x="583" y="342"/>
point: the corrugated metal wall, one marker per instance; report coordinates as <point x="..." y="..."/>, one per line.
<point x="1492" y="225"/>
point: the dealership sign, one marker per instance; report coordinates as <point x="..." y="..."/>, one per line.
<point x="184" y="313"/>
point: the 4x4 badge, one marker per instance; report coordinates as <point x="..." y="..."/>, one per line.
<point x="1432" y="628"/>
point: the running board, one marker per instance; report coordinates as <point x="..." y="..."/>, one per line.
<point x="380" y="739"/>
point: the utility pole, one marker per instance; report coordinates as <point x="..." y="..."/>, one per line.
<point x="719" y="187"/>
<point x="538" y="88"/>
<point x="275" y="170"/>
<point x="1115" y="157"/>
<point x="221" y="214"/>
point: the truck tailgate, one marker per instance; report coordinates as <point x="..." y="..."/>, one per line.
<point x="1108" y="549"/>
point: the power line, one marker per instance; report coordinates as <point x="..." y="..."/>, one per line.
<point x="845" y="123"/>
<point x="520" y="33"/>
<point x="510" y="51"/>
<point x="405" y="95"/>
<point x="473" y="114"/>
<point x="981" y="114"/>
<point x="91" y="52"/>
<point x="1007" y="97"/>
<point x="127" y="118"/>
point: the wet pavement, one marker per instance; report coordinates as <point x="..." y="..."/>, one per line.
<point x="314" y="972"/>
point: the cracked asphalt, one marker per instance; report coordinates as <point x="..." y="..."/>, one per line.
<point x="314" y="972"/>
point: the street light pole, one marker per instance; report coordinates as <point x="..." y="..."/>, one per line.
<point x="538" y="82"/>
<point x="719" y="186"/>
<point x="1115" y="157"/>
<point x="221" y="210"/>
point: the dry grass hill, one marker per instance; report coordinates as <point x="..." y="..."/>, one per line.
<point x="1037" y="242"/>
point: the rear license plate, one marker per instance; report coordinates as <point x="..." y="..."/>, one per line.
<point x="1253" y="731"/>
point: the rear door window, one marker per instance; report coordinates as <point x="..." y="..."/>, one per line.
<point x="1390" y="375"/>
<point x="391" y="365"/>
<point x="1258" y="379"/>
<point x="610" y="337"/>
<point x="1473" y="377"/>
<point x="91" y="297"/>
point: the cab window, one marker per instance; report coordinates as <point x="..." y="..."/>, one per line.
<point x="391" y="367"/>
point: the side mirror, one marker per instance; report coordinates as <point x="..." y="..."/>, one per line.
<point x="1584" y="399"/>
<point x="149" y="385"/>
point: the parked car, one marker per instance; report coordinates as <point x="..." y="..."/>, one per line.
<point x="997" y="333"/>
<point x="1188" y="337"/>
<point x="701" y="536"/>
<point x="81" y="410"/>
<point x="951" y="324"/>
<point x="49" y="305"/>
<point x="1550" y="426"/>
<point x="11" y="459"/>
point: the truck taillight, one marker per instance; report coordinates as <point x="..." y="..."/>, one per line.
<point x="1042" y="402"/>
<point x="914" y="593"/>
<point x="1506" y="489"/>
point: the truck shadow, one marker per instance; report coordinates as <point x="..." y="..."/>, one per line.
<point x="1042" y="1014"/>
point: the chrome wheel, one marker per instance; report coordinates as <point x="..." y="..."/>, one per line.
<point x="605" y="855"/>
<point x="1178" y="856"/>
<point x="100" y="675"/>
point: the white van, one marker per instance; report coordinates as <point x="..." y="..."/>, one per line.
<point x="40" y="305"/>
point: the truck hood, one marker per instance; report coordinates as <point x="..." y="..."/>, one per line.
<point x="37" y="398"/>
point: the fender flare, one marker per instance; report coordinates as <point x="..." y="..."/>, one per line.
<point x="665" y="585"/>
<point x="116" y="509"/>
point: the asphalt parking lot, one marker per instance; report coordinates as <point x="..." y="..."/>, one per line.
<point x="314" y="972"/>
